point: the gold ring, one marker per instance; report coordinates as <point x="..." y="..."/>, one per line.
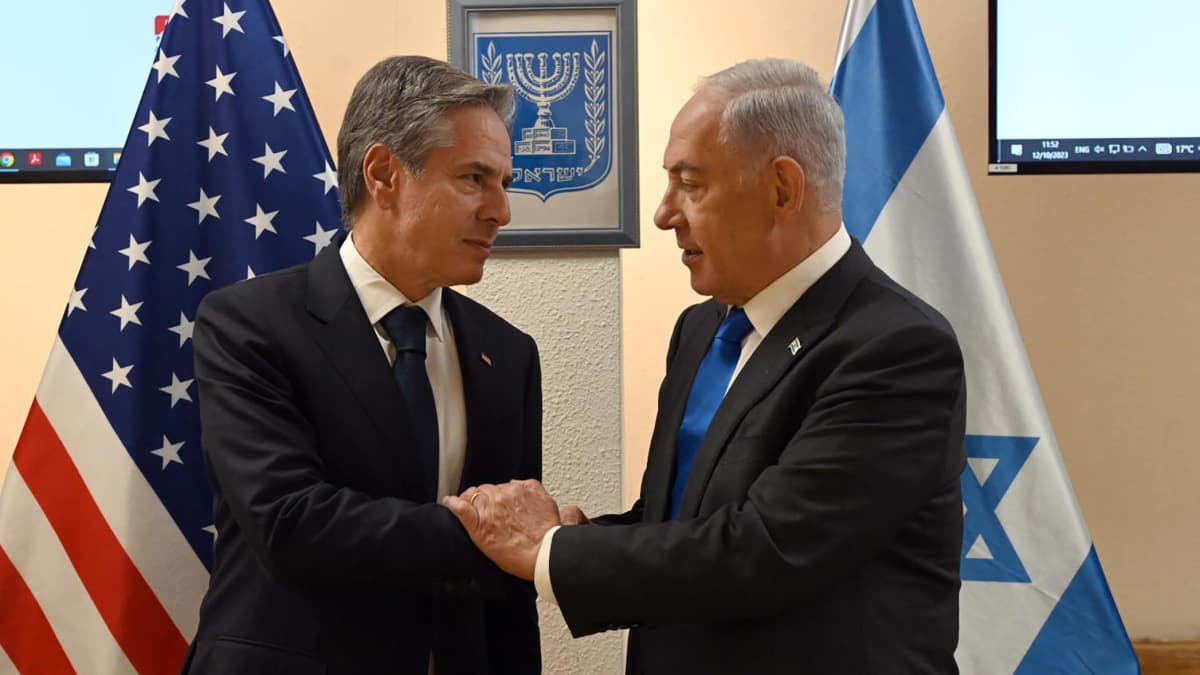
<point x="471" y="501"/>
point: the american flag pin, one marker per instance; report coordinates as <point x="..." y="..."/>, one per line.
<point x="795" y="346"/>
<point x="485" y="358"/>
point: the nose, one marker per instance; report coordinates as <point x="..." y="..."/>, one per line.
<point x="667" y="216"/>
<point x="495" y="207"/>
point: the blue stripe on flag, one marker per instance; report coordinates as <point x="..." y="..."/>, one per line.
<point x="1084" y="633"/>
<point x="891" y="99"/>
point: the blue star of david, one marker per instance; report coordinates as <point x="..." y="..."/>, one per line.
<point x="981" y="501"/>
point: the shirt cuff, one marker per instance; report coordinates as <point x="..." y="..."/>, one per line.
<point x="541" y="569"/>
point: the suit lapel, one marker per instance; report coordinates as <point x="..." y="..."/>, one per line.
<point x="352" y="347"/>
<point x="479" y="385"/>
<point x="693" y="345"/>
<point x="802" y="326"/>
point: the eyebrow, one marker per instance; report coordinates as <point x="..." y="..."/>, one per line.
<point x="680" y="167"/>
<point x="489" y="170"/>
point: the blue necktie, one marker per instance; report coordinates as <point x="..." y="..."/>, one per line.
<point x="708" y="390"/>
<point x="406" y="327"/>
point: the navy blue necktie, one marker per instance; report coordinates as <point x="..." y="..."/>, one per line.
<point x="708" y="390"/>
<point x="405" y="325"/>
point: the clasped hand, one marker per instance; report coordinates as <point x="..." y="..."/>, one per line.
<point x="508" y="522"/>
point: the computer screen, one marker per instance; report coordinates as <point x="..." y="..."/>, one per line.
<point x="71" y="76"/>
<point x="1094" y="86"/>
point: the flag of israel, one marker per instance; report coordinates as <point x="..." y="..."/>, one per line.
<point x="1034" y="597"/>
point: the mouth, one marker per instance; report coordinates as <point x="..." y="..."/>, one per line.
<point x="482" y="244"/>
<point x="691" y="255"/>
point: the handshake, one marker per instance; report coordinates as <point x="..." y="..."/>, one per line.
<point x="508" y="522"/>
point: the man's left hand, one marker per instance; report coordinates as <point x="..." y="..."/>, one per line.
<point x="507" y="522"/>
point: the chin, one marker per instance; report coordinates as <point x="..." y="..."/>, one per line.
<point x="469" y="276"/>
<point x="708" y="288"/>
<point x="701" y="285"/>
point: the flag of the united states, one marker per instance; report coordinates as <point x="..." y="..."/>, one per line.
<point x="105" y="516"/>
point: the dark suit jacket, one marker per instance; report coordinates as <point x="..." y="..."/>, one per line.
<point x="821" y="525"/>
<point x="330" y="559"/>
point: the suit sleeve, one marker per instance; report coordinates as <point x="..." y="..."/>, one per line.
<point x="871" y="450"/>
<point x="263" y="460"/>
<point x="514" y="643"/>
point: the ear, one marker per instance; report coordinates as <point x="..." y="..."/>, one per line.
<point x="383" y="175"/>
<point x="789" y="185"/>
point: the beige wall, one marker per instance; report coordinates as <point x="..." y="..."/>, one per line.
<point x="1098" y="268"/>
<point x="579" y="340"/>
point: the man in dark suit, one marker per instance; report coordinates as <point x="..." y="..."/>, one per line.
<point x="800" y="511"/>
<point x="341" y="399"/>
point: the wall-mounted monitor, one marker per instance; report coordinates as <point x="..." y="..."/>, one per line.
<point x="71" y="75"/>
<point x="1094" y="86"/>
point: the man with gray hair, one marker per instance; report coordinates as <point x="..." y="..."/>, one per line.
<point x="800" y="510"/>
<point x="341" y="399"/>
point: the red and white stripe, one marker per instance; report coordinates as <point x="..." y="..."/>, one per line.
<point x="95" y="577"/>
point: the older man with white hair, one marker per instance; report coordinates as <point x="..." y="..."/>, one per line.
<point x="801" y="509"/>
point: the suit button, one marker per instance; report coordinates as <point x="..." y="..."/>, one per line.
<point x="474" y="585"/>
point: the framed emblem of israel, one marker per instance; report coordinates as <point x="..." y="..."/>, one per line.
<point x="573" y="70"/>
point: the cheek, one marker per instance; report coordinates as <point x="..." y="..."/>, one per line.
<point x="431" y="223"/>
<point x="411" y="231"/>
<point x="713" y="227"/>
<point x="450" y="210"/>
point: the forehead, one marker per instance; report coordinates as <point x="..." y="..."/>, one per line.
<point x="696" y="130"/>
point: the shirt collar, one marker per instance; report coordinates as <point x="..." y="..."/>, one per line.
<point x="770" y="304"/>
<point x="379" y="296"/>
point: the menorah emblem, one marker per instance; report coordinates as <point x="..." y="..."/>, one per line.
<point x="561" y="86"/>
<point x="551" y="79"/>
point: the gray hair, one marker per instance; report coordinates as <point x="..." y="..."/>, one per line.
<point x="781" y="107"/>
<point x="401" y="102"/>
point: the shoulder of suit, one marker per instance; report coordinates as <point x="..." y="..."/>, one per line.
<point x="262" y="290"/>
<point x="898" y="304"/>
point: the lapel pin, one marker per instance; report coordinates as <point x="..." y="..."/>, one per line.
<point x="485" y="358"/>
<point x="795" y="346"/>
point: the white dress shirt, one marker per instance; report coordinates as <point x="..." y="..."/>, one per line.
<point x="764" y="311"/>
<point x="379" y="297"/>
